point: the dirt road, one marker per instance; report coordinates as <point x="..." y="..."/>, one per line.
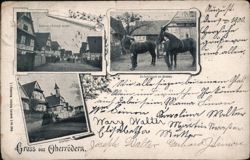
<point x="184" y="63"/>
<point x="66" y="66"/>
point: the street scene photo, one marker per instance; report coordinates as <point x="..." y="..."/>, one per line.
<point x="153" y="40"/>
<point x="52" y="106"/>
<point x="50" y="43"/>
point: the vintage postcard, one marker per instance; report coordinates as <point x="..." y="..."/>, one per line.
<point x="125" y="80"/>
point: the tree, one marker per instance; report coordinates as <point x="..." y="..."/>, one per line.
<point x="128" y="18"/>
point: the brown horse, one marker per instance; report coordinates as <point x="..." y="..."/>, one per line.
<point x="175" y="45"/>
<point x="136" y="48"/>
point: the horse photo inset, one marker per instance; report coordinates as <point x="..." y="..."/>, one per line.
<point x="53" y="107"/>
<point x="154" y="40"/>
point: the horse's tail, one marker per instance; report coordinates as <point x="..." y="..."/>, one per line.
<point x="193" y="43"/>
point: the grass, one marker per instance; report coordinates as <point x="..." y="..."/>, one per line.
<point x="56" y="130"/>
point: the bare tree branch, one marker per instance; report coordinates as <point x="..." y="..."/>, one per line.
<point x="127" y="18"/>
<point x="132" y="29"/>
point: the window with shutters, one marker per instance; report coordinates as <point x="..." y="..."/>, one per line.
<point x="27" y="42"/>
<point x="32" y="42"/>
<point x="23" y="38"/>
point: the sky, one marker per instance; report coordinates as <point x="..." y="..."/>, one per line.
<point x="150" y="14"/>
<point x="68" y="35"/>
<point x="153" y="15"/>
<point x="68" y="84"/>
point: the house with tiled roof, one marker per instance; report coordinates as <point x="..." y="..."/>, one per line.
<point x="94" y="44"/>
<point x="62" y="53"/>
<point x="36" y="96"/>
<point x="24" y="98"/>
<point x="25" y="33"/>
<point x="68" y="53"/>
<point x="149" y="31"/>
<point x="91" y="49"/>
<point x="56" y="48"/>
<point x="183" y="25"/>
<point x="43" y="43"/>
<point x="84" y="48"/>
<point x="57" y="104"/>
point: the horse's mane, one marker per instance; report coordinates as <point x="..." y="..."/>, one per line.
<point x="170" y="36"/>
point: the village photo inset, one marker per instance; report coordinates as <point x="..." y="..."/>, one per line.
<point x="53" y="106"/>
<point x="154" y="40"/>
<point x="49" y="43"/>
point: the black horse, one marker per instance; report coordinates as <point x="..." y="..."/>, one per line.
<point x="136" y="48"/>
<point x="175" y="45"/>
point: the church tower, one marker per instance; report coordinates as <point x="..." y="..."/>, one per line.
<point x="57" y="90"/>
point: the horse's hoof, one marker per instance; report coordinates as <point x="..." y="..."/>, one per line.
<point x="152" y="64"/>
<point x="132" y="69"/>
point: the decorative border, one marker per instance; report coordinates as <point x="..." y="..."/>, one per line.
<point x="198" y="65"/>
<point x="17" y="9"/>
<point x="68" y="137"/>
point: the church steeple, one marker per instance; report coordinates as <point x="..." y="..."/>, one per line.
<point x="57" y="90"/>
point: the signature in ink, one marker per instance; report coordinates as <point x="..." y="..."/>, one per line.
<point x="112" y="143"/>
